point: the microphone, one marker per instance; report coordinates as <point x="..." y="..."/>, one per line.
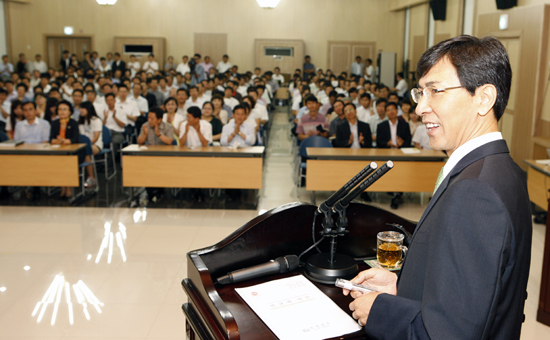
<point x="326" y="205"/>
<point x="343" y="203"/>
<point x="281" y="264"/>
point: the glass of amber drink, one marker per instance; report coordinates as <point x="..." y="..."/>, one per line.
<point x="390" y="249"/>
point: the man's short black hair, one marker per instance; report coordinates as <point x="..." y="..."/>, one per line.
<point x="388" y="104"/>
<point x="251" y="89"/>
<point x="194" y="111"/>
<point x="311" y="98"/>
<point x="181" y="89"/>
<point x="365" y="95"/>
<point x="239" y="107"/>
<point x="393" y="94"/>
<point x="22" y="85"/>
<point x="122" y="86"/>
<point x="352" y="90"/>
<point x="350" y="103"/>
<point x="381" y="101"/>
<point x="110" y="95"/>
<point x="225" y="56"/>
<point x="3" y="91"/>
<point x="27" y="103"/>
<point x="477" y="62"/>
<point x="78" y="90"/>
<point x="157" y="111"/>
<point x="193" y="87"/>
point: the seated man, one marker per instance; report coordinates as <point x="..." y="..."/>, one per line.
<point x="393" y="133"/>
<point x="364" y="111"/>
<point x="353" y="133"/>
<point x="420" y="138"/>
<point x="115" y="120"/>
<point x="195" y="132"/>
<point x="32" y="130"/>
<point x="313" y="123"/>
<point x="236" y="132"/>
<point x="336" y="122"/>
<point x="155" y="131"/>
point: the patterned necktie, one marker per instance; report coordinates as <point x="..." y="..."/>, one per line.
<point x="439" y="179"/>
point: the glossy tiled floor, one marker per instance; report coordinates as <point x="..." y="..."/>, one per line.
<point x="134" y="279"/>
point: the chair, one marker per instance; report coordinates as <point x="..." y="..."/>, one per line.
<point x="106" y="134"/>
<point x="3" y="136"/>
<point x="82" y="166"/>
<point x="310" y="142"/>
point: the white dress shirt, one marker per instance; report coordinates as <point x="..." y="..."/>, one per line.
<point x="183" y="68"/>
<point x="141" y="103"/>
<point x="153" y="65"/>
<point x="222" y="67"/>
<point x="193" y="139"/>
<point x="246" y="130"/>
<point x="128" y="107"/>
<point x="111" y="124"/>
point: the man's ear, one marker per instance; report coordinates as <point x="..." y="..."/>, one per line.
<point x="486" y="98"/>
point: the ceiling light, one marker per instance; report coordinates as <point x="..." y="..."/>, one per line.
<point x="106" y="2"/>
<point x="268" y="3"/>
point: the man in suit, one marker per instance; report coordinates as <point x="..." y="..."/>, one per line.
<point x="466" y="271"/>
<point x="393" y="133"/>
<point x="118" y="64"/>
<point x="353" y="133"/>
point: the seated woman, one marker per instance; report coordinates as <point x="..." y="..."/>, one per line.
<point x="90" y="125"/>
<point x="40" y="99"/>
<point x="16" y="115"/>
<point x="171" y="117"/>
<point x="64" y="131"/>
<point x="217" y="126"/>
<point x="219" y="112"/>
<point x="252" y="116"/>
<point x="50" y="113"/>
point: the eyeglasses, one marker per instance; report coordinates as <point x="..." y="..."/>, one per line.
<point x="429" y="92"/>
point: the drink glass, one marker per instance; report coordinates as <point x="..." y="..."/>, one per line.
<point x="390" y="249"/>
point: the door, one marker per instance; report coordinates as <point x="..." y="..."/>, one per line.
<point x="213" y="45"/>
<point x="341" y="54"/>
<point x="57" y="44"/>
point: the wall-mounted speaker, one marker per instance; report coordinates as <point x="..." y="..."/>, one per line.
<point x="505" y="4"/>
<point x="439" y="9"/>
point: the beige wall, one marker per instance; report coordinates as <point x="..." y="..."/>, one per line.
<point x="314" y="21"/>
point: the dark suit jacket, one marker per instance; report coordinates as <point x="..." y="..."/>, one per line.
<point x="70" y="133"/>
<point x="121" y="66"/>
<point x="65" y="63"/>
<point x="343" y="132"/>
<point x="466" y="271"/>
<point x="383" y="133"/>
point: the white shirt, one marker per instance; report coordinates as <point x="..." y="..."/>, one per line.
<point x="401" y="87"/>
<point x="242" y="90"/>
<point x="421" y="137"/>
<point x="355" y="134"/>
<point x="246" y="129"/>
<point x="261" y="112"/>
<point x="7" y="107"/>
<point x="393" y="130"/>
<point x="183" y="68"/>
<point x="369" y="70"/>
<point x="153" y="65"/>
<point x="231" y="102"/>
<point x="192" y="135"/>
<point x="182" y="111"/>
<point x="279" y="77"/>
<point x="141" y="103"/>
<point x="357" y="68"/>
<point x="223" y="67"/>
<point x="198" y="103"/>
<point x="178" y="119"/>
<point x="111" y="124"/>
<point x="134" y="68"/>
<point x="89" y="130"/>
<point x="468" y="147"/>
<point x="99" y="108"/>
<point x="41" y="66"/>
<point x="128" y="107"/>
<point x="364" y="114"/>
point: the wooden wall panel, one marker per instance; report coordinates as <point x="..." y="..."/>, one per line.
<point x="341" y="54"/>
<point x="213" y="45"/>
<point x="178" y="20"/>
<point x="528" y="34"/>
<point x="418" y="34"/>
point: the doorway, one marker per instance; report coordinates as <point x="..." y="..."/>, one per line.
<point x="57" y="44"/>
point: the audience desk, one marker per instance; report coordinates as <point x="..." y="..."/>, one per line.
<point x="170" y="166"/>
<point x="330" y="168"/>
<point x="41" y="165"/>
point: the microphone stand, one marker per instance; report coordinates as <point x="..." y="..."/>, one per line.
<point x="327" y="267"/>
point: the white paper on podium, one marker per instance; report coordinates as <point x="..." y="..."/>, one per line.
<point x="409" y="151"/>
<point x="293" y="308"/>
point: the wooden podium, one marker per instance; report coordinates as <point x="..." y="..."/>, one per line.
<point x="214" y="311"/>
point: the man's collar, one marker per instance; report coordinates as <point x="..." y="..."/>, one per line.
<point x="35" y="122"/>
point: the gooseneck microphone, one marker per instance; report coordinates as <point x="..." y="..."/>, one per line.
<point x="343" y="203"/>
<point x="281" y="264"/>
<point x="326" y="205"/>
